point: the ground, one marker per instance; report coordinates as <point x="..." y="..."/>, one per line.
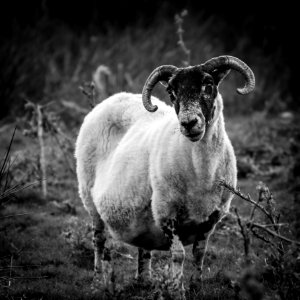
<point x="46" y="252"/>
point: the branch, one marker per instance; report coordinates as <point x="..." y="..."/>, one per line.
<point x="16" y="215"/>
<point x="123" y="254"/>
<point x="245" y="234"/>
<point x="11" y="264"/>
<point x="275" y="225"/>
<point x="253" y="209"/>
<point x="246" y="198"/>
<point x="72" y="105"/>
<point x="275" y="247"/>
<point x="43" y="165"/>
<point x="179" y="21"/>
<point x="70" y="166"/>
<point x="15" y="189"/>
<point x="263" y="227"/>
<point x="261" y="237"/>
<point x="23" y="277"/>
<point x="88" y="90"/>
<point x="26" y="266"/>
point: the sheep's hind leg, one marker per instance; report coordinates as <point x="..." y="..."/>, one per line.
<point x="178" y="257"/>
<point x="103" y="270"/>
<point x="200" y="245"/>
<point x="144" y="265"/>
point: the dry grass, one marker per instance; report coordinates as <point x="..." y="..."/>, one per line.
<point x="55" y="234"/>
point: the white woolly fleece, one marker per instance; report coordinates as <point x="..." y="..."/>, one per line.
<point x="135" y="168"/>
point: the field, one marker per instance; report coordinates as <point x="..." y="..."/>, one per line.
<point x="46" y="247"/>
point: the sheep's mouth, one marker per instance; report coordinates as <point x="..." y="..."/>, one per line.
<point x="194" y="137"/>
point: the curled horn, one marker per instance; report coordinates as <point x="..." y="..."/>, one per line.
<point x="235" y="64"/>
<point x="162" y="73"/>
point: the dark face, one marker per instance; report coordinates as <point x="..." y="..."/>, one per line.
<point x="193" y="94"/>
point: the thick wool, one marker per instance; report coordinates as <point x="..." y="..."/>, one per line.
<point x="136" y="169"/>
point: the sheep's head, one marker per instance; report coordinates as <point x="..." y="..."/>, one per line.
<point x="193" y="91"/>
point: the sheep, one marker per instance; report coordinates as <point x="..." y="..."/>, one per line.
<point x="152" y="179"/>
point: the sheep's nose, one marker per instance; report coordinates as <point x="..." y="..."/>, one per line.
<point x="189" y="124"/>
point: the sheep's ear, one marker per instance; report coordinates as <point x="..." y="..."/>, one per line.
<point x="219" y="74"/>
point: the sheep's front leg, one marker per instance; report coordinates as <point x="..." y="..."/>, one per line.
<point x="199" y="251"/>
<point x="144" y="264"/>
<point x="205" y="230"/>
<point x="178" y="257"/>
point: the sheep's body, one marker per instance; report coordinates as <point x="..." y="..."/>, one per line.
<point x="153" y="179"/>
<point x="141" y="170"/>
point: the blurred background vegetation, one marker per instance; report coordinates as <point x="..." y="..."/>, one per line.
<point x="49" y="53"/>
<point x="47" y="50"/>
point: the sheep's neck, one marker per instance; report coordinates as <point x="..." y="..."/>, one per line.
<point x="205" y="153"/>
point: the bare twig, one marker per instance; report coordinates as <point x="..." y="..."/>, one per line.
<point x="261" y="237"/>
<point x="123" y="254"/>
<point x="267" y="197"/>
<point x="179" y="22"/>
<point x="254" y="208"/>
<point x="88" y="90"/>
<point x="16" y="215"/>
<point x="70" y="165"/>
<point x="270" y="215"/>
<point x="7" y="153"/>
<point x="245" y="234"/>
<point x="42" y="149"/>
<point x="271" y="232"/>
<point x="18" y="251"/>
<point x="5" y="169"/>
<point x="18" y="267"/>
<point x="11" y="263"/>
<point x="75" y="107"/>
<point x="4" y="285"/>
<point x="42" y="122"/>
<point x="246" y="198"/>
<point x="275" y="225"/>
<point x="23" y="277"/>
<point x="15" y="189"/>
<point x="264" y="239"/>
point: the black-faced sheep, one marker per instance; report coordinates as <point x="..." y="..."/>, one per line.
<point x="153" y="178"/>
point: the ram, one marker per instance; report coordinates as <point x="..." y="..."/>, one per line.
<point x="152" y="179"/>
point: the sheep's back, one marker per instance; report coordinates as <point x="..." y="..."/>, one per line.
<point x="105" y="153"/>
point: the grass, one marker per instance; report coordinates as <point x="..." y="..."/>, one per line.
<point x="47" y="253"/>
<point x="72" y="264"/>
<point x="57" y="239"/>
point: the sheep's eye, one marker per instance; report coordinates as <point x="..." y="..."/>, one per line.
<point x="207" y="89"/>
